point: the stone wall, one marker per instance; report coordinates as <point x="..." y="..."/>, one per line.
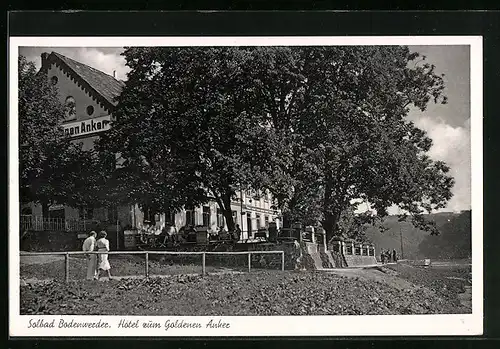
<point x="352" y="254"/>
<point x="359" y="261"/>
<point x="338" y="260"/>
<point x="306" y="255"/>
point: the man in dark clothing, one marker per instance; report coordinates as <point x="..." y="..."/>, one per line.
<point x="394" y="256"/>
<point x="382" y="257"/>
<point x="237" y="233"/>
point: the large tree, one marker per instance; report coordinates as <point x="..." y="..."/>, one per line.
<point x="319" y="127"/>
<point x="52" y="169"/>
<point x="341" y="114"/>
<point x="185" y="128"/>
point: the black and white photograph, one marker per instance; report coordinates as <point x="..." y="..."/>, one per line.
<point x="217" y="187"/>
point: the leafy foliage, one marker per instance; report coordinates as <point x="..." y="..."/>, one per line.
<point x="184" y="128"/>
<point x="52" y="168"/>
<point x="316" y="126"/>
<point x="340" y="113"/>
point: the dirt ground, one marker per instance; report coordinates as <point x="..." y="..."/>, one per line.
<point x="382" y="290"/>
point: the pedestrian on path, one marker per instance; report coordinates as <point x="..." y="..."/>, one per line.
<point x="103" y="246"/>
<point x="394" y="256"/>
<point x="89" y="246"/>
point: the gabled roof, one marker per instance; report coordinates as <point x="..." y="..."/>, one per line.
<point x="101" y="86"/>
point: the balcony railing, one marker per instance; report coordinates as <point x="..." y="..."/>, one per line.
<point x="56" y="224"/>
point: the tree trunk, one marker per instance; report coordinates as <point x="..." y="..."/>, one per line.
<point x="330" y="213"/>
<point x="328" y="218"/>
<point x="228" y="213"/>
<point x="286" y="220"/>
<point x="330" y="224"/>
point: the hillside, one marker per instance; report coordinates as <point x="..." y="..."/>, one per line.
<point x="412" y="237"/>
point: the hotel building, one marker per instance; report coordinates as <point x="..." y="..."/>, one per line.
<point x="89" y="96"/>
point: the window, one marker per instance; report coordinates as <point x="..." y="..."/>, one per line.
<point x="257" y="218"/>
<point x="90" y="110"/>
<point x="268" y="196"/>
<point x="266" y="220"/>
<point x="170" y="217"/>
<point x="54" y="80"/>
<point x="249" y="225"/>
<point x="149" y="215"/>
<point x="70" y="108"/>
<point x="190" y="217"/>
<point x="206" y="216"/>
<point x="220" y="218"/>
<point x="257" y="195"/>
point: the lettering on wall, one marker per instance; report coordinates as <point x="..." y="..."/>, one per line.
<point x="87" y="127"/>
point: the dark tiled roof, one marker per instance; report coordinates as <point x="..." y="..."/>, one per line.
<point x="104" y="84"/>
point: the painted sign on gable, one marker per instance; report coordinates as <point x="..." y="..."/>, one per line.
<point x="86" y="127"/>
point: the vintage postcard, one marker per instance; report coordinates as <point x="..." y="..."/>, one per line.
<point x="245" y="186"/>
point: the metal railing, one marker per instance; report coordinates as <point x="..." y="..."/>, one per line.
<point x="147" y="253"/>
<point x="55" y="224"/>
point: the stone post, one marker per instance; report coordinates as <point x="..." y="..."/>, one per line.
<point x="324" y="243"/>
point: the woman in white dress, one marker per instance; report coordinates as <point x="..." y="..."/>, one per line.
<point x="103" y="246"/>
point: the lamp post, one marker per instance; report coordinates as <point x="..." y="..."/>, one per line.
<point x="241" y="211"/>
<point x="401" y="236"/>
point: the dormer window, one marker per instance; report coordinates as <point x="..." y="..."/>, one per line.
<point x="70" y="108"/>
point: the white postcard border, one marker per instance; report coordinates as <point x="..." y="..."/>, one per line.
<point x="405" y="325"/>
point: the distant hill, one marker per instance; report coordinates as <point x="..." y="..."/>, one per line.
<point x="413" y="238"/>
<point x="454" y="242"/>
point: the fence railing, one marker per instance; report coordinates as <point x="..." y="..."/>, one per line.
<point x="147" y="253"/>
<point x="55" y="224"/>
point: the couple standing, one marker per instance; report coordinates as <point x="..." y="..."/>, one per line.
<point x="97" y="262"/>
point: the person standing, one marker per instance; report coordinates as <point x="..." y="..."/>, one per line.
<point x="394" y="256"/>
<point x="382" y="256"/>
<point x="388" y="256"/>
<point x="237" y="233"/>
<point x="89" y="246"/>
<point x="103" y="246"/>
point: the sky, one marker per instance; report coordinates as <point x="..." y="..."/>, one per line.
<point x="447" y="125"/>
